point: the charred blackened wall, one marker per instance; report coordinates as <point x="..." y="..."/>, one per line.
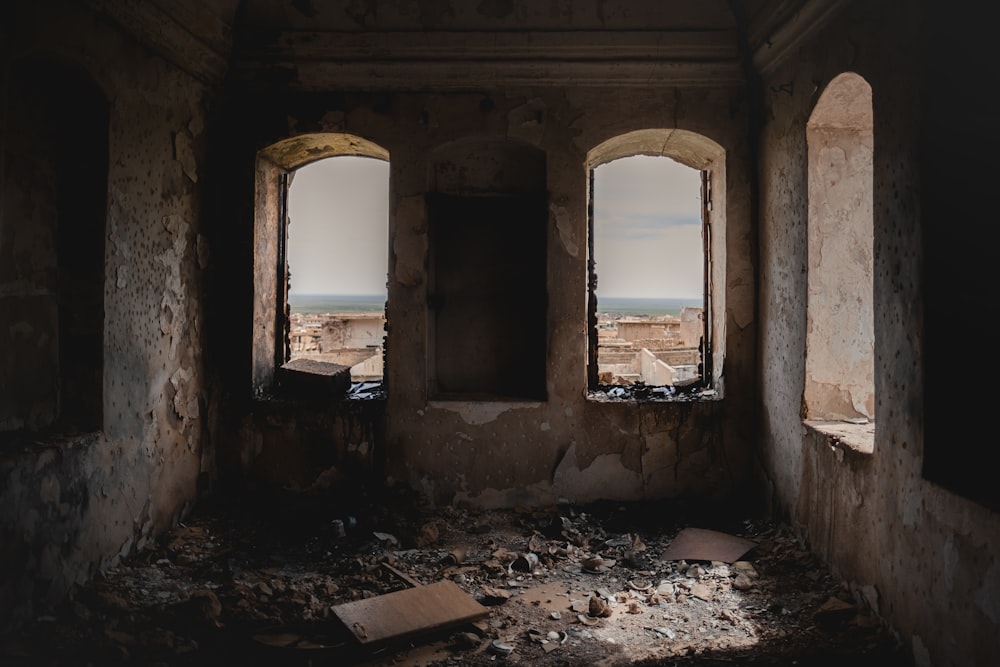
<point x="102" y="398"/>
<point x="915" y="537"/>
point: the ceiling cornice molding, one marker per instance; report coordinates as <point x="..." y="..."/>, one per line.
<point x="158" y="31"/>
<point x="470" y="60"/>
<point x="428" y="76"/>
<point x="462" y="46"/>
<point x="813" y="16"/>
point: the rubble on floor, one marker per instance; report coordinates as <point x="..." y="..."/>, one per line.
<point x="640" y="391"/>
<point x="267" y="583"/>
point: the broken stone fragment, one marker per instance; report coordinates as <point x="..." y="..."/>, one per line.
<point x="834" y="611"/>
<point x="427" y="535"/>
<point x="695" y="571"/>
<point x="640" y="585"/>
<point x="536" y="544"/>
<point x="501" y="648"/>
<point x="596" y="564"/>
<point x="493" y="595"/>
<point x="598" y="607"/>
<point x="702" y="592"/>
<point x="493" y="566"/>
<point x="308" y="379"/>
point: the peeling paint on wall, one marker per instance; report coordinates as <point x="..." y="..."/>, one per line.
<point x="604" y="478"/>
<point x="565" y="226"/>
<point x="478" y="413"/>
<point x="172" y="305"/>
<point x="409" y="245"/>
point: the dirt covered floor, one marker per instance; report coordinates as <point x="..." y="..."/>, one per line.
<point x="265" y="583"/>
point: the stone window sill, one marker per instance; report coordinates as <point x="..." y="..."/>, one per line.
<point x="859" y="438"/>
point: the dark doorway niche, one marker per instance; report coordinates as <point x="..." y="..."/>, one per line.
<point x="957" y="167"/>
<point x="487" y="298"/>
<point x="55" y="207"/>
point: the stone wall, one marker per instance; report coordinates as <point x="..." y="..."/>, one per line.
<point x="74" y="496"/>
<point x="922" y="556"/>
<point x="503" y="452"/>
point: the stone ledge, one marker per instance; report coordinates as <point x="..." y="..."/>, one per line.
<point x="858" y="438"/>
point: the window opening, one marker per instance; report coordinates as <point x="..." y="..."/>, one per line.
<point x="840" y="336"/>
<point x="649" y="277"/>
<point x="305" y="246"/>
<point x="337" y="256"/>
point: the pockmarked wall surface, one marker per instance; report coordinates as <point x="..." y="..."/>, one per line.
<point x="921" y="556"/>
<point x="73" y="502"/>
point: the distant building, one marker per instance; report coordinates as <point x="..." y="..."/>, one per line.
<point x="349" y="339"/>
<point x="657" y="351"/>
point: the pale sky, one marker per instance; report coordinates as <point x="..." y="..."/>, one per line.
<point x="338" y="231"/>
<point x="647" y="221"/>
<point x="647" y="228"/>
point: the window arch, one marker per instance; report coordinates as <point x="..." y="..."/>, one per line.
<point x="840" y="337"/>
<point x="673" y="341"/>
<point x="275" y="169"/>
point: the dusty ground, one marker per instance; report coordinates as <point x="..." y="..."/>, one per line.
<point x="254" y="585"/>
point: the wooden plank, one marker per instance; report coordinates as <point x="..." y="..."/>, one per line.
<point x="409" y="612"/>
<point x="703" y="544"/>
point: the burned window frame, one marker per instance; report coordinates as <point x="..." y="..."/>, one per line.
<point x="705" y="155"/>
<point x="271" y="317"/>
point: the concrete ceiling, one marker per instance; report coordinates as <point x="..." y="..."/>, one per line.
<point x="456" y="44"/>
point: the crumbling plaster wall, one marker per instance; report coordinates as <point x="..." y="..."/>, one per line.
<point x="494" y="453"/>
<point x="924" y="558"/>
<point x="70" y="507"/>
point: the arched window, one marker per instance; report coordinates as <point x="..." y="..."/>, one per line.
<point x="337" y="247"/>
<point x="321" y="259"/>
<point x="840" y="337"/>
<point x="656" y="232"/>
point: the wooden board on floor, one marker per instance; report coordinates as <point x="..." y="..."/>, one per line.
<point x="703" y="544"/>
<point x="418" y="610"/>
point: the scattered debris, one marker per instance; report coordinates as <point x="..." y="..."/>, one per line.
<point x="563" y="585"/>
<point x="501" y="648"/>
<point x="366" y="391"/>
<point x="639" y="391"/>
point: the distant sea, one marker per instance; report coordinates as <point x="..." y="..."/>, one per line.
<point x="366" y="303"/>
<point x="661" y="306"/>
<point x="336" y="303"/>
